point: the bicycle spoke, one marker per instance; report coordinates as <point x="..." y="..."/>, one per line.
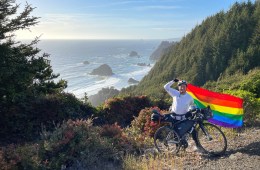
<point x="166" y="140"/>
<point x="211" y="139"/>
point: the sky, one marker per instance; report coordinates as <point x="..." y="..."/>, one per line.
<point x="119" y="19"/>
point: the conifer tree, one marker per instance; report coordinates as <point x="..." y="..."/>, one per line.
<point x="220" y="46"/>
<point x="23" y="71"/>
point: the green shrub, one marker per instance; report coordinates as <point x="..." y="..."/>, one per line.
<point x="137" y="141"/>
<point x="251" y="105"/>
<point x="77" y="144"/>
<point x="251" y="82"/>
<point x="144" y="123"/>
<point x="23" y="120"/>
<point x="20" y="157"/>
<point x="122" y="110"/>
<point x="140" y="133"/>
<point x="73" y="144"/>
<point x="111" y="131"/>
<point x="117" y="137"/>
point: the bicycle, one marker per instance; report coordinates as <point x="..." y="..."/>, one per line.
<point x="208" y="138"/>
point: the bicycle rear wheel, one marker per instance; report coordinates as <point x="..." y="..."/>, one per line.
<point x="211" y="139"/>
<point x="166" y="140"/>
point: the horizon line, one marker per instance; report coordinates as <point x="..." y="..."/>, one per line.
<point x="162" y="39"/>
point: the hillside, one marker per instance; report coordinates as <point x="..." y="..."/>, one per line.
<point x="161" y="49"/>
<point x="221" y="45"/>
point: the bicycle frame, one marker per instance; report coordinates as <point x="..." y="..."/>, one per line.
<point x="201" y="132"/>
<point x="204" y="130"/>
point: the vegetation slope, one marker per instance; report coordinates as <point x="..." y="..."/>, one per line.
<point x="221" y="45"/>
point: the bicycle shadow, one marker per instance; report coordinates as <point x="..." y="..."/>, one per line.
<point x="252" y="149"/>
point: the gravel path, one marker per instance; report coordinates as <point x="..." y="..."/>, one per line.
<point x="243" y="152"/>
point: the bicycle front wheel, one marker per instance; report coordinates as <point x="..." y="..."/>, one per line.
<point x="166" y="140"/>
<point x="211" y="139"/>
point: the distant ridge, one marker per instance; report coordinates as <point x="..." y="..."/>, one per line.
<point x="162" y="49"/>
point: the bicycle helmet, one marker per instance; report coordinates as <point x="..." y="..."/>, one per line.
<point x="182" y="82"/>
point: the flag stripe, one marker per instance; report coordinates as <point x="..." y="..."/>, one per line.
<point x="226" y="119"/>
<point x="220" y="96"/>
<point x="224" y="109"/>
<point x="225" y="124"/>
<point x="212" y="100"/>
<point x="221" y="114"/>
<point x="227" y="110"/>
<point x="230" y="116"/>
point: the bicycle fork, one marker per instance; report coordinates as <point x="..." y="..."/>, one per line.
<point x="205" y="131"/>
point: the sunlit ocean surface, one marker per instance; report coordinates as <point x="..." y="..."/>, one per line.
<point x="68" y="56"/>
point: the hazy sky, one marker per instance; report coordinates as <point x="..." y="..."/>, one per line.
<point x="119" y="19"/>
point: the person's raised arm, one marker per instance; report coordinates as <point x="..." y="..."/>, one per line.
<point x="170" y="90"/>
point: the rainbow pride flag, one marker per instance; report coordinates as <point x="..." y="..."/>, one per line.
<point x="227" y="109"/>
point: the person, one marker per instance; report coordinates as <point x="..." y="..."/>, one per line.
<point x="181" y="105"/>
<point x="182" y="101"/>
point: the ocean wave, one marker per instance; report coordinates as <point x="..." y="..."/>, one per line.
<point x="91" y="84"/>
<point x="93" y="88"/>
<point x="141" y="72"/>
<point x="67" y="59"/>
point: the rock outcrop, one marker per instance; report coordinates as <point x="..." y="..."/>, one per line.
<point x="103" y="95"/>
<point x="141" y="64"/>
<point x="86" y="62"/>
<point x="103" y="70"/>
<point x="162" y="48"/>
<point x="134" y="54"/>
<point x="132" y="81"/>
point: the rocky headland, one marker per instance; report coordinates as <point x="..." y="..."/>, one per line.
<point x="162" y="48"/>
<point x="132" y="81"/>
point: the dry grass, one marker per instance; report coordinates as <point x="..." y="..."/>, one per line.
<point x="164" y="161"/>
<point x="242" y="153"/>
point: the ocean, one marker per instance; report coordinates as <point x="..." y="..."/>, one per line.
<point x="68" y="56"/>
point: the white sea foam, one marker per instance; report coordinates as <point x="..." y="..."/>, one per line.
<point x="67" y="58"/>
<point x="119" y="81"/>
<point x="139" y="73"/>
<point x="93" y="88"/>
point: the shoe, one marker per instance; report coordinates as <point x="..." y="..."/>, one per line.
<point x="194" y="149"/>
<point x="197" y="149"/>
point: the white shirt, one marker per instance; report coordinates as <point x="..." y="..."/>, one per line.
<point x="181" y="102"/>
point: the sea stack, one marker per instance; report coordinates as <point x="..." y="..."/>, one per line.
<point x="134" y="54"/>
<point x="103" y="70"/>
<point x="86" y="62"/>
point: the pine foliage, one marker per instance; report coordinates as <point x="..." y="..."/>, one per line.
<point x="220" y="46"/>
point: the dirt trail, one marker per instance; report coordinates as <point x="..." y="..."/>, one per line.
<point x="243" y="152"/>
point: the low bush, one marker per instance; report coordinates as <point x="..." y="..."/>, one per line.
<point x="140" y="133"/>
<point x="23" y="119"/>
<point x="144" y="123"/>
<point x="251" y="106"/>
<point x="72" y="145"/>
<point x="77" y="144"/>
<point x="122" y="110"/>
